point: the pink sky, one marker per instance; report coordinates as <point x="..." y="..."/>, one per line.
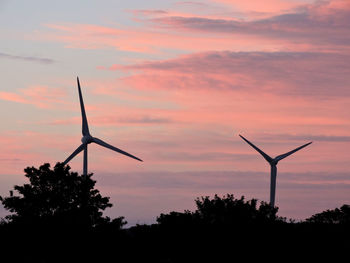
<point x="174" y="84"/>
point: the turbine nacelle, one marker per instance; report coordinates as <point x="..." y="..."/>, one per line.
<point x="87" y="139"/>
<point x="274" y="162"/>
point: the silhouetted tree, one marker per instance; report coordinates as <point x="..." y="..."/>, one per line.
<point x="57" y="196"/>
<point x="218" y="230"/>
<point x="336" y="216"/>
<point x="176" y="219"/>
<point x="228" y="210"/>
<point x="223" y="211"/>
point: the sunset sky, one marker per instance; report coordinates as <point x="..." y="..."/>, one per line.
<point x="175" y="83"/>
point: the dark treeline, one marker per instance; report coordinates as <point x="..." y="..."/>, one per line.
<point x="58" y="217"/>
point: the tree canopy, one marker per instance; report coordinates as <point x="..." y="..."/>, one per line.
<point x="64" y="213"/>
<point x="226" y="210"/>
<point x="56" y="196"/>
<point x="336" y="216"/>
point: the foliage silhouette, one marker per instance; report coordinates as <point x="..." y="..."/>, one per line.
<point x="57" y="217"/>
<point x="225" y="228"/>
<point x="228" y="210"/>
<point x="337" y="216"/>
<point x="218" y="225"/>
<point x="57" y="196"/>
<point x="224" y="211"/>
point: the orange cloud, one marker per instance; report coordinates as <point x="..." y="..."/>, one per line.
<point x="39" y="96"/>
<point x="151" y="40"/>
<point x="293" y="73"/>
<point x="322" y="26"/>
<point x="267" y="6"/>
<point x="10" y="96"/>
<point x="27" y="148"/>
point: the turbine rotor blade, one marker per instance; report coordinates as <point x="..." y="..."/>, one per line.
<point x="267" y="158"/>
<point x="78" y="150"/>
<point x="282" y="156"/>
<point x="85" y="126"/>
<point x="104" y="144"/>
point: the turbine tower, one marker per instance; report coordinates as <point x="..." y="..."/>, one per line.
<point x="273" y="163"/>
<point x="87" y="139"/>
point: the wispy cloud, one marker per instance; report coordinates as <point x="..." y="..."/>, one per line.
<point x="323" y="23"/>
<point x="289" y="73"/>
<point x="260" y="8"/>
<point x="145" y="120"/>
<point x="319" y="27"/>
<point x="109" y="120"/>
<point x="148" y="12"/>
<point x="193" y="3"/>
<point x="140" y="40"/>
<point x="28" y="58"/>
<point x="39" y="96"/>
<point x="303" y="137"/>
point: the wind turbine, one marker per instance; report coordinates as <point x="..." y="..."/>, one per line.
<point x="273" y="163"/>
<point x="87" y="139"/>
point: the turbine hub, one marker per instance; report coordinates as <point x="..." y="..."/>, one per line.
<point x="86" y="139"/>
<point x="274" y="162"/>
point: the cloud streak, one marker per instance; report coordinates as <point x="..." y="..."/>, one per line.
<point x="288" y="73"/>
<point x="322" y="23"/>
<point x="323" y="26"/>
<point x="28" y="58"/>
<point x="301" y="137"/>
<point x="39" y="96"/>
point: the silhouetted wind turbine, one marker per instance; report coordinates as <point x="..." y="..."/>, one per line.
<point x="273" y="163"/>
<point x="87" y="138"/>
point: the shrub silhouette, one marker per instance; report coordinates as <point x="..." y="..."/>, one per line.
<point x="58" y="217"/>
<point x="336" y="216"/>
<point x="218" y="228"/>
<point x="228" y="210"/>
<point x="223" y="211"/>
<point x="54" y="216"/>
<point x="57" y="196"/>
